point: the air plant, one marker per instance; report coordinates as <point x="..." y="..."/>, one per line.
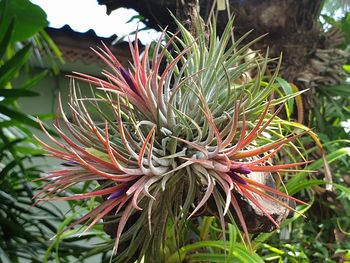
<point x="162" y="141"/>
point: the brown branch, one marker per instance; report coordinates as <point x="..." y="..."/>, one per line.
<point x="187" y="12"/>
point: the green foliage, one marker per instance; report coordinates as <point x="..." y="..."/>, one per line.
<point x="324" y="235"/>
<point x="23" y="23"/>
<point x="331" y="7"/>
<point x="209" y="247"/>
<point x="15" y="143"/>
<point x="25" y="231"/>
<point x="29" y="19"/>
<point x="345" y="27"/>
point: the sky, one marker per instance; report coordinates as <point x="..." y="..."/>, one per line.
<point x="82" y="15"/>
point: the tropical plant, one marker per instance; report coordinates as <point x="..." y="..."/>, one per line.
<point x="16" y="148"/>
<point x="24" y="230"/>
<point x="325" y="236"/>
<point x="164" y="142"/>
<point x="28" y="22"/>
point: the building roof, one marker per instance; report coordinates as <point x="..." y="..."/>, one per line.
<point x="77" y="45"/>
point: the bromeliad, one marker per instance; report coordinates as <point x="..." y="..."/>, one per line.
<point x="160" y="135"/>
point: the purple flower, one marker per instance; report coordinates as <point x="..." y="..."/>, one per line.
<point x="128" y="79"/>
<point x="118" y="193"/>
<point x="233" y="173"/>
<point x="70" y="164"/>
<point x="241" y="170"/>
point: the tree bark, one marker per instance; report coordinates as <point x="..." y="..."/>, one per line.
<point x="187" y="13"/>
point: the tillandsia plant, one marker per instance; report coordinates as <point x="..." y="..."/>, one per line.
<point x="163" y="140"/>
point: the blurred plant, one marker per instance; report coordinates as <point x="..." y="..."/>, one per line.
<point x="336" y="8"/>
<point x="333" y="109"/>
<point x="325" y="235"/>
<point x="24" y="230"/>
<point x="28" y="21"/>
<point x="164" y="142"/>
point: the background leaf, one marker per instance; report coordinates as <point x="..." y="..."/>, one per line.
<point x="29" y="19"/>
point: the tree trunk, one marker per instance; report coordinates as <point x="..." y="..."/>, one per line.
<point x="187" y="13"/>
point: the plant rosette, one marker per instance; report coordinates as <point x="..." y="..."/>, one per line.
<point x="190" y="122"/>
